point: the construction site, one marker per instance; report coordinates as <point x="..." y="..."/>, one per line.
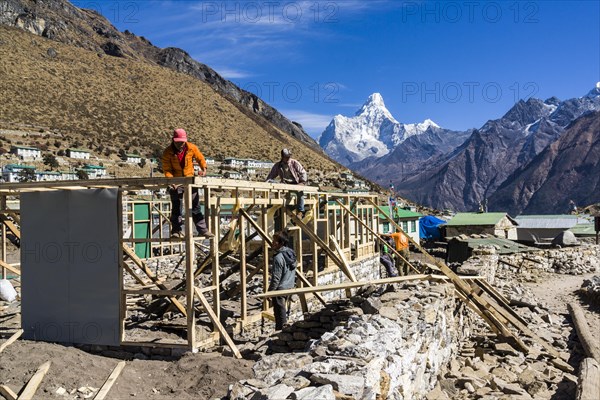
<point x="109" y="306"/>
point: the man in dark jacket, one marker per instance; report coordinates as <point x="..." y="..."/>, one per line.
<point x="283" y="276"/>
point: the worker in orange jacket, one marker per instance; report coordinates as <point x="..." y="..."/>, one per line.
<point x="178" y="161"/>
<point x="401" y="244"/>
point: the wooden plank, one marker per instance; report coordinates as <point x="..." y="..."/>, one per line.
<point x="11" y="339"/>
<point x="217" y="323"/>
<point x="342" y="257"/>
<point x="9" y="267"/>
<point x="154" y="292"/>
<point x="31" y="387"/>
<point x="10" y="225"/>
<point x="588" y="385"/>
<point x="110" y="381"/>
<point x="244" y="293"/>
<point x="7" y="393"/>
<point x="189" y="266"/>
<point x="497" y="297"/>
<point x="378" y="236"/>
<point x="340" y="286"/>
<point x="142" y="265"/>
<point x="583" y="332"/>
<point x="320" y="242"/>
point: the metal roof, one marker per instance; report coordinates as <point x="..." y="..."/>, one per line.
<point x="399" y="213"/>
<point x="547" y="221"/>
<point x="463" y="219"/>
<point x="583" y="230"/>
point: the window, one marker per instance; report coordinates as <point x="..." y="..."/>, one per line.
<point x="405" y="226"/>
<point x="413" y="226"/>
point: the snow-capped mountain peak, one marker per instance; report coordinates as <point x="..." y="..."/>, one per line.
<point x="595" y="92"/>
<point x="371" y="132"/>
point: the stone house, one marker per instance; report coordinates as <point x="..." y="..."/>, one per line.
<point x="496" y="223"/>
<point x="543" y="228"/>
<point x="133" y="158"/>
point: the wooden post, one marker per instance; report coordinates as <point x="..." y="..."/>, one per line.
<point x="189" y="267"/>
<point x="588" y="385"/>
<point x="583" y="332"/>
<point x="110" y="381"/>
<point x="29" y="389"/>
<point x="265" y="226"/>
<point x="3" y="227"/>
<point x="242" y="224"/>
<point x="216" y="229"/>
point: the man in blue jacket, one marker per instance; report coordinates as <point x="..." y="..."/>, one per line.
<point x="283" y="276"/>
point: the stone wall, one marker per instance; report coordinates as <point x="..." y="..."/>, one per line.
<point x="391" y="345"/>
<point x="575" y="260"/>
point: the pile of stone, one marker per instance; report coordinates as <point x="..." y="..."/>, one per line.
<point x="394" y="347"/>
<point x="573" y="260"/>
<point x="590" y="288"/>
<point x="489" y="369"/>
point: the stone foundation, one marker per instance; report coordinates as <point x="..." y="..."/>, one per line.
<point x="392" y="346"/>
<point x="575" y="260"/>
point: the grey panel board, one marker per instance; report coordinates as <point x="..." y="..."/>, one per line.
<point x="69" y="262"/>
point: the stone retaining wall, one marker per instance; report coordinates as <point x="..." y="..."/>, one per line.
<point x="575" y="260"/>
<point x="392" y="346"/>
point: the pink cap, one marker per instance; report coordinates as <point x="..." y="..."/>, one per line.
<point x="179" y="135"/>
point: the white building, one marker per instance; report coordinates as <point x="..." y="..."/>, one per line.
<point x="133" y="158"/>
<point x="48" y="176"/>
<point x="210" y="160"/>
<point x="26" y="152"/>
<point x="12" y="172"/>
<point x="233" y="175"/>
<point x="94" y="171"/>
<point x="79" y="154"/>
<point x="234" y="162"/>
<point x="67" y="176"/>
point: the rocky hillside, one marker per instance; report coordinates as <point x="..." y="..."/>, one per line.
<point x="409" y="157"/>
<point x="60" y="21"/>
<point x="110" y="103"/>
<point x="567" y="169"/>
<point x="475" y="170"/>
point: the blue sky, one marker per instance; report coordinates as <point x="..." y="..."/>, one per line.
<point x="457" y="63"/>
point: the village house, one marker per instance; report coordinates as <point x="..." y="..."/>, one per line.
<point x="233" y="162"/>
<point x="48" y="176"/>
<point x="67" y="176"/>
<point x="407" y="219"/>
<point x="94" y="171"/>
<point x="14" y="172"/>
<point x="233" y="175"/>
<point x="24" y="152"/>
<point x="133" y="158"/>
<point x="210" y="161"/>
<point x="79" y="154"/>
<point x="497" y="224"/>
<point x="543" y="228"/>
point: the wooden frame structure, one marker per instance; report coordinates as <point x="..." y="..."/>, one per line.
<point x="339" y="228"/>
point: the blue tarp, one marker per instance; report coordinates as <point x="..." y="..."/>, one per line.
<point x="428" y="227"/>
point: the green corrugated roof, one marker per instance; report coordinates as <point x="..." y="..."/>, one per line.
<point x="400" y="213"/>
<point x="80" y="150"/>
<point x="462" y="219"/>
<point x="583" y="229"/>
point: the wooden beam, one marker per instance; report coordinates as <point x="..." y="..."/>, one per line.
<point x="583" y="333"/>
<point x="588" y="385"/>
<point x="110" y="381"/>
<point x="9" y="267"/>
<point x="217" y="323"/>
<point x="11" y="340"/>
<point x="320" y="242"/>
<point x="7" y="393"/>
<point x="142" y="265"/>
<point x="31" y="387"/>
<point x="340" y="286"/>
<point x="378" y="236"/>
<point x="10" y="225"/>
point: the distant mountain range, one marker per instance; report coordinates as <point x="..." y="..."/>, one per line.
<point x="447" y="169"/>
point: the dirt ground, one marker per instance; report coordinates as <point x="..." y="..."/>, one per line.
<point x="557" y="290"/>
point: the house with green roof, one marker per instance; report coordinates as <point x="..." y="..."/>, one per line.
<point x="25" y="152"/>
<point x="78" y="153"/>
<point x="407" y="219"/>
<point x="494" y="223"/>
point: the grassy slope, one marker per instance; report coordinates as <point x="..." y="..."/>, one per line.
<point x="111" y="101"/>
